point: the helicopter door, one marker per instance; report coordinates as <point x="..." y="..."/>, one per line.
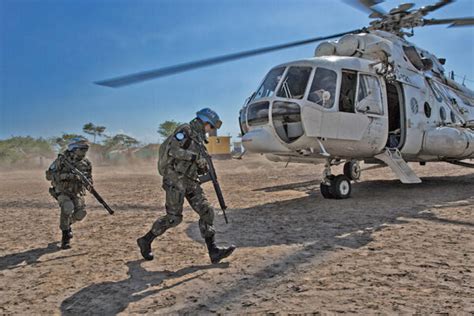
<point x="394" y="105"/>
<point x="343" y="123"/>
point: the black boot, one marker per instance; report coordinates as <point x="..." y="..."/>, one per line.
<point x="217" y="253"/>
<point x="145" y="245"/>
<point x="65" y="240"/>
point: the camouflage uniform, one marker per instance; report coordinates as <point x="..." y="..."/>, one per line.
<point x="69" y="191"/>
<point x="180" y="165"/>
<point x="180" y="180"/>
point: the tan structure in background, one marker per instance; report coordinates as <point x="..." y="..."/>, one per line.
<point x="219" y="147"/>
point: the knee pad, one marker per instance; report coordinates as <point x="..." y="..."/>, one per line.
<point x="79" y="214"/>
<point x="67" y="207"/>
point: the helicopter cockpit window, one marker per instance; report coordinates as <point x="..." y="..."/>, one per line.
<point x="258" y="113"/>
<point x="267" y="89"/>
<point x="295" y="82"/>
<point x="243" y="121"/>
<point x="369" y="96"/>
<point x="323" y="88"/>
<point x="413" y="57"/>
<point x="348" y="91"/>
<point x="286" y="118"/>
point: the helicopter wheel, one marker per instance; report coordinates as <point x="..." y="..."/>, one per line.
<point x="352" y="170"/>
<point x="326" y="191"/>
<point x="340" y="187"/>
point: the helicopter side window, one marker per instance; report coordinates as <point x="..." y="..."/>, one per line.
<point x="267" y="88"/>
<point x="413" y="57"/>
<point x="323" y="88"/>
<point x="436" y="91"/>
<point x="258" y="113"/>
<point x="295" y="82"/>
<point x="369" y="97"/>
<point x="348" y="90"/>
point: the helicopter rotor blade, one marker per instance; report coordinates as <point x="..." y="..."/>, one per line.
<point x="453" y="22"/>
<point x="430" y="8"/>
<point x="170" y="70"/>
<point x="367" y="5"/>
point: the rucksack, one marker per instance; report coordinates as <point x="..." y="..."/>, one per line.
<point x="163" y="155"/>
<point x="51" y="171"/>
<point x="164" y="158"/>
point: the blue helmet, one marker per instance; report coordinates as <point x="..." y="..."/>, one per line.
<point x="78" y="142"/>
<point x="209" y="116"/>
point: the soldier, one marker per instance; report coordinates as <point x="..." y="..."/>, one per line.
<point x="67" y="188"/>
<point x="180" y="164"/>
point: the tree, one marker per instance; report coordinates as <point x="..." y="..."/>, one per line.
<point x="120" y="141"/>
<point x="167" y="128"/>
<point x="92" y="129"/>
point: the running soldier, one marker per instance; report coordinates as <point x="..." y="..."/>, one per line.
<point x="180" y="163"/>
<point x="67" y="187"/>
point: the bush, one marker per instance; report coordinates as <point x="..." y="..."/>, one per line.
<point x="23" y="149"/>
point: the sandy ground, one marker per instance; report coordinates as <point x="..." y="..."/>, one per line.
<point x="390" y="248"/>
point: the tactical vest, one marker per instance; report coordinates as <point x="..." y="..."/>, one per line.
<point x="70" y="186"/>
<point x="182" y="167"/>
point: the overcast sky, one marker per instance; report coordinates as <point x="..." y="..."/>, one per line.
<point x="51" y="52"/>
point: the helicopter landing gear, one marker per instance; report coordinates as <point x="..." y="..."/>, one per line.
<point x="337" y="187"/>
<point x="352" y="170"/>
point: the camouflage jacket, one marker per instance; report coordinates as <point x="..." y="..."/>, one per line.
<point x="63" y="180"/>
<point x="182" y="152"/>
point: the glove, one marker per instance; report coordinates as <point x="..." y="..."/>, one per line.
<point x="202" y="164"/>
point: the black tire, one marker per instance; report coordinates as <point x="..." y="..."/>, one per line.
<point x="326" y="191"/>
<point x="341" y="187"/>
<point x="352" y="170"/>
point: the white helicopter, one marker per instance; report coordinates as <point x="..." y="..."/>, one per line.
<point x="370" y="96"/>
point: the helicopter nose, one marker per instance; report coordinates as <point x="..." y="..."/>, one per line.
<point x="262" y="140"/>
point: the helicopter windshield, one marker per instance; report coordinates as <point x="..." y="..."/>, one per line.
<point x="267" y="89"/>
<point x="295" y="82"/>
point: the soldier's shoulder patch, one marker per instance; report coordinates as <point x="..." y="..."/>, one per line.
<point x="53" y="166"/>
<point x="180" y="136"/>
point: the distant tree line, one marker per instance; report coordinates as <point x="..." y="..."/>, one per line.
<point x="21" y="149"/>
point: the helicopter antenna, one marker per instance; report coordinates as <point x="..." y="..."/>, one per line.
<point x="170" y="70"/>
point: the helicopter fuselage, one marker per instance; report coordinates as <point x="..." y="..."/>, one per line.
<point x="348" y="107"/>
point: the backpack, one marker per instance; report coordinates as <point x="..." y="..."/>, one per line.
<point x="51" y="171"/>
<point x="163" y="156"/>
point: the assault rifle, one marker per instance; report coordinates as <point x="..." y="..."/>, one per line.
<point x="88" y="184"/>
<point x="211" y="175"/>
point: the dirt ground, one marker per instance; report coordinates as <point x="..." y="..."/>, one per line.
<point x="390" y="248"/>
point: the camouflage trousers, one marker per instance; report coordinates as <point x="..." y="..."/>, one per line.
<point x="73" y="209"/>
<point x="176" y="192"/>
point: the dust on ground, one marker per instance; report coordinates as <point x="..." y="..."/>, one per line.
<point x="390" y="248"/>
